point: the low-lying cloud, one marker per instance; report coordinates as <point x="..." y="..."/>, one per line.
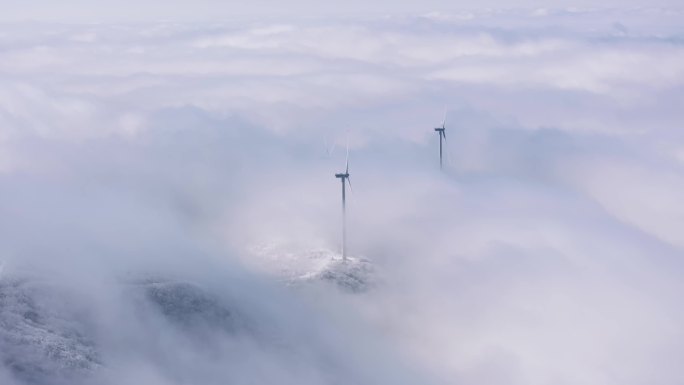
<point x="141" y="166"/>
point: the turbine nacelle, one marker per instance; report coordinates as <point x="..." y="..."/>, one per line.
<point x="345" y="175"/>
<point x="442" y="132"/>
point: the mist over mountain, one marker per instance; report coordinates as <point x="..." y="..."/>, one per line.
<point x="169" y="212"/>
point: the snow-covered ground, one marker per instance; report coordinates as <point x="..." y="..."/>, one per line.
<point x="301" y="265"/>
<point x="43" y="336"/>
<point x="166" y="330"/>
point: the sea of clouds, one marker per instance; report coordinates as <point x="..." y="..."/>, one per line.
<point x="138" y="157"/>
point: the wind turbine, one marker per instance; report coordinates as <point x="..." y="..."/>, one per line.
<point x="344" y="178"/>
<point x="442" y="135"/>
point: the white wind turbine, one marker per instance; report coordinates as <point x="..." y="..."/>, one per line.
<point x="344" y="178"/>
<point x="442" y="136"/>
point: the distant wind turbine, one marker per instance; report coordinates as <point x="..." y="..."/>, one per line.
<point x="344" y="178"/>
<point x="442" y="135"/>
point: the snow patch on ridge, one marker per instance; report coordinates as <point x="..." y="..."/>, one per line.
<point x="297" y="266"/>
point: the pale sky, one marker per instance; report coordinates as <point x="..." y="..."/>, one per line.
<point x="109" y="10"/>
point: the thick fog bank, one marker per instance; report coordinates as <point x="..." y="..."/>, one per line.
<point x="169" y="212"/>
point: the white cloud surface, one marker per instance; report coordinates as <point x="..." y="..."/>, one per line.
<point x="549" y="252"/>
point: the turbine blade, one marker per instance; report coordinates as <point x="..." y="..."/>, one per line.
<point x="445" y="118"/>
<point x="443" y="134"/>
<point x="449" y="161"/>
<point x="350" y="186"/>
<point x="329" y="150"/>
<point x="346" y="163"/>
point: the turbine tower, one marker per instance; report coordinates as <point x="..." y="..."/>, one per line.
<point x="442" y="135"/>
<point x="344" y="178"/>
